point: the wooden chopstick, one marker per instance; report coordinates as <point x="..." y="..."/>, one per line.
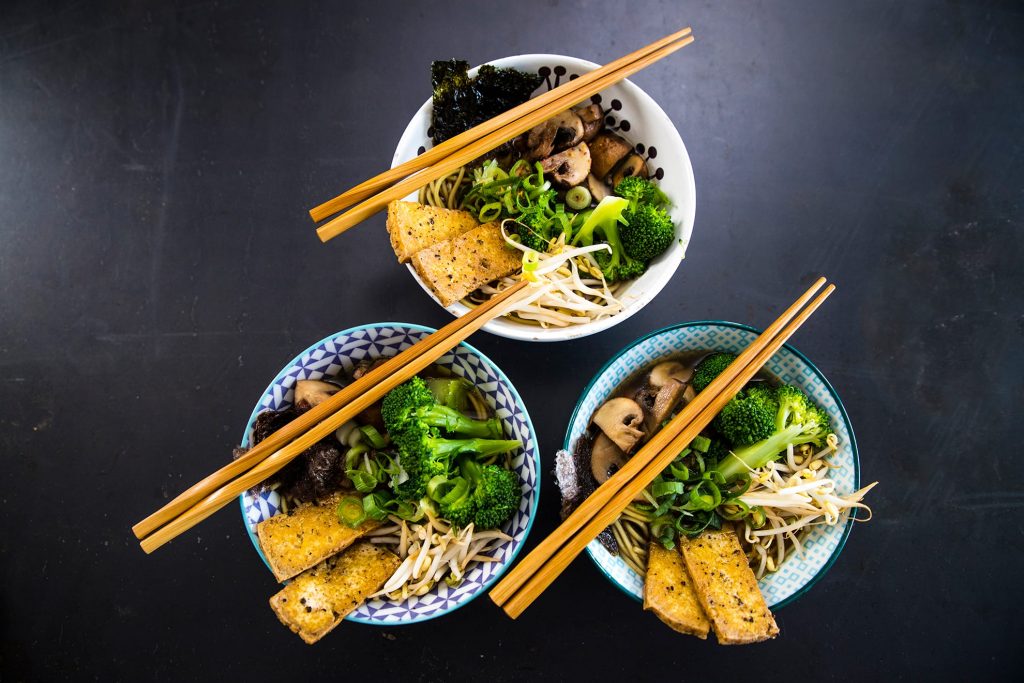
<point x="536" y="572"/>
<point x="379" y="182"/>
<point x="378" y="202"/>
<point x="207" y="496"/>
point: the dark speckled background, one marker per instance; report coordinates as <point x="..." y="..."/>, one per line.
<point x="157" y="268"/>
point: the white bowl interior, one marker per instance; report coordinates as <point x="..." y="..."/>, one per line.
<point x="641" y="121"/>
<point x="799" y="572"/>
<point x="338" y="354"/>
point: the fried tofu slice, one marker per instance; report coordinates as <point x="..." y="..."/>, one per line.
<point x="669" y="592"/>
<point x="455" y="268"/>
<point x="319" y="598"/>
<point x="306" y="536"/>
<point x="414" y="226"/>
<point x="727" y="588"/>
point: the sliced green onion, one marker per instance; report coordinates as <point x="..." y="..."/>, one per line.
<point x="376" y="439"/>
<point x="351" y="511"/>
<point x="757" y="517"/>
<point x="490" y="212"/>
<point x="364" y="481"/>
<point x="354" y="456"/>
<point x="740" y="510"/>
<point x="664" y="488"/>
<point x="701" y="443"/>
<point x="375" y="504"/>
<point x="578" y="198"/>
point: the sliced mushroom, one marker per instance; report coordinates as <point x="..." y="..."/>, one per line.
<point x="593" y="121"/>
<point x="665" y="401"/>
<point x="598" y="190"/>
<point x="670" y="369"/>
<point x="554" y="135"/>
<point x="607" y="149"/>
<point x="620" y="418"/>
<point x="632" y="165"/>
<point x="569" y="168"/>
<point x="568" y="130"/>
<point x="310" y="392"/>
<point x="605" y="458"/>
<point x="540" y="140"/>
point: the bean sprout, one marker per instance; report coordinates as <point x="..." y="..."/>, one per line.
<point x="795" y="494"/>
<point x="431" y="552"/>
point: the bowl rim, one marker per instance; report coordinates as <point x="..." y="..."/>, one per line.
<point x="828" y="385"/>
<point x="520" y="405"/>
<point x="531" y="333"/>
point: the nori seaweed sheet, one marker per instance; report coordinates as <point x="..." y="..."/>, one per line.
<point x="317" y="472"/>
<point x="581" y="454"/>
<point x="461" y="102"/>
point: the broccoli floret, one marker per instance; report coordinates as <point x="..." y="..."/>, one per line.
<point x="423" y="455"/>
<point x="648" y="232"/>
<point x="497" y="497"/>
<point x="640" y="191"/>
<point x="451" y="391"/>
<point x="749" y="417"/>
<point x="717" y="451"/>
<point x="534" y="228"/>
<point x="489" y="496"/>
<point x="710" y="368"/>
<point x="604" y="221"/>
<point x="801" y="422"/>
<point x="414" y="401"/>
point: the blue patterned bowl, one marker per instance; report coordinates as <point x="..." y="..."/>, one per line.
<point x="823" y="545"/>
<point x="338" y="354"/>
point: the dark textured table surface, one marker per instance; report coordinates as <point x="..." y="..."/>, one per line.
<point x="157" y="268"/>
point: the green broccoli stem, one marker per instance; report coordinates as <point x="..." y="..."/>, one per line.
<point x="455" y="422"/>
<point x="761" y="453"/>
<point x="449" y="448"/>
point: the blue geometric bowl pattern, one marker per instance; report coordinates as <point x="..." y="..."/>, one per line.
<point x="823" y="544"/>
<point x="339" y="354"/>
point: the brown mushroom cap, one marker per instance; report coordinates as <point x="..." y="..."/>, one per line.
<point x="568" y="168"/>
<point x="631" y="165"/>
<point x="605" y="458"/>
<point x="593" y="120"/>
<point x="598" y="190"/>
<point x="607" y="149"/>
<point x="540" y="140"/>
<point x="620" y="418"/>
<point x="310" y="392"/>
<point x="568" y="130"/>
<point x="669" y="369"/>
<point x="554" y="135"/>
<point x="665" y="401"/>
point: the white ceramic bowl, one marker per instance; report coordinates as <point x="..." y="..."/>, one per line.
<point x="639" y="119"/>
<point x="338" y="354"/>
<point x="823" y="544"/>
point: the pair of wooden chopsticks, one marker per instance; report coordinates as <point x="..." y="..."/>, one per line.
<point x="448" y="156"/>
<point x="537" y="570"/>
<point x="277" y="450"/>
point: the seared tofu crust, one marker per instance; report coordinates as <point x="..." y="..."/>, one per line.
<point x="455" y="268"/>
<point x="669" y="592"/>
<point x="318" y="599"/>
<point x="306" y="536"/>
<point x="414" y="226"/>
<point x="727" y="588"/>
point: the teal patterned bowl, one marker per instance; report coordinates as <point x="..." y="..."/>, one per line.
<point x="338" y="354"/>
<point x="824" y="543"/>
